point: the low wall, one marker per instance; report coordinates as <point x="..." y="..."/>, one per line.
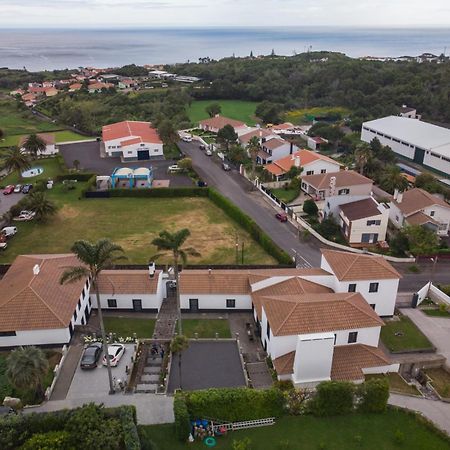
<point x="434" y="293"/>
<point x="56" y="371"/>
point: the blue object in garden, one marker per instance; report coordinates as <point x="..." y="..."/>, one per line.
<point x="210" y="442"/>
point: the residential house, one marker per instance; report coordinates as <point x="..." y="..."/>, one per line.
<point x="364" y="222"/>
<point x="345" y="182"/>
<point x="50" y="91"/>
<point x="75" y="87"/>
<point x="316" y="142"/>
<point x="35" y="309"/>
<point x="214" y="124"/>
<point x="17" y="92"/>
<point x="310" y="162"/>
<point x="108" y="78"/>
<point x="127" y="83"/>
<point x="282" y="127"/>
<point x="419" y="207"/>
<point x="410" y="113"/>
<point x="29" y="99"/>
<point x="262" y="134"/>
<point x="274" y="149"/>
<point x="50" y="143"/>
<point x="98" y="87"/>
<point x="132" y="140"/>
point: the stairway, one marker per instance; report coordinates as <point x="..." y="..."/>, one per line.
<point x="167" y="317"/>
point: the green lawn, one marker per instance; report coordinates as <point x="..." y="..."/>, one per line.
<point x="133" y="223"/>
<point x="286" y="195"/>
<point x="408" y="337"/>
<point x="125" y="326"/>
<point x="206" y="328"/>
<point x="50" y="166"/>
<point x="440" y="381"/>
<point x="60" y="136"/>
<point x="303" y="115"/>
<point x="391" y="430"/>
<point x="396" y="383"/>
<point x="171" y="151"/>
<point x="234" y="109"/>
<point x="436" y="313"/>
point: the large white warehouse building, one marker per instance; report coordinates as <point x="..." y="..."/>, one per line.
<point x="418" y="141"/>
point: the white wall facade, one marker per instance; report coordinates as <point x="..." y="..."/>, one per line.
<point x="37" y="337"/>
<point x="331" y="206"/>
<point x="217" y="301"/>
<point x="131" y="151"/>
<point x="355" y="229"/>
<point x="84" y="306"/>
<point x="320" y="166"/>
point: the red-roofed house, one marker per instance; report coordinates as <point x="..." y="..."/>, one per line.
<point x="312" y="163"/>
<point x="274" y="149"/>
<point x="316" y="142"/>
<point x="214" y="124"/>
<point x="132" y="140"/>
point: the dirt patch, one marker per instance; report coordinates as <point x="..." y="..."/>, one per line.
<point x="68" y="212"/>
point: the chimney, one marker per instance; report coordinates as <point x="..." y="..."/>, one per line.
<point x="399" y="197"/>
<point x="291" y="149"/>
<point x="395" y="194"/>
<point x="209" y="271"/>
<point x="36" y="269"/>
<point x="297" y="161"/>
<point x="151" y="269"/>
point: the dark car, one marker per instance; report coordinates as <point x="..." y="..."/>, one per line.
<point x="281" y="217"/>
<point x="27" y="188"/>
<point x="91" y="355"/>
<point x="6" y="410"/>
<point x="201" y="183"/>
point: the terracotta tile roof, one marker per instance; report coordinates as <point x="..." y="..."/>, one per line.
<point x="274" y="143"/>
<point x="343" y="178"/>
<point x="360" y="209"/>
<point x="220" y="121"/>
<point x="349" y="360"/>
<point x="317" y="313"/>
<point x="32" y="302"/>
<point x="284" y="364"/>
<point x="214" y="282"/>
<point x="283" y="126"/>
<point x="417" y="199"/>
<point x="127" y="282"/>
<point x="274" y="169"/>
<point x="420" y="218"/>
<point x="261" y="132"/>
<point x="353" y="267"/>
<point x="291" y="286"/>
<point x="131" y="131"/>
<point x="75" y="86"/>
<point x="48" y="138"/>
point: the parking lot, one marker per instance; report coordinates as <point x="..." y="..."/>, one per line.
<point x="6" y="201"/>
<point x="92" y="383"/>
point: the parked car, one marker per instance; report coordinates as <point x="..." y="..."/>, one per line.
<point x="25" y="216"/>
<point x="27" y="188"/>
<point x="208" y="152"/>
<point x="226" y="167"/>
<point x="3" y="245"/>
<point x="201" y="183"/>
<point x="91" y="355"/>
<point x="281" y="217"/>
<point x="174" y="168"/>
<point x="202" y="147"/>
<point x="8" y="189"/>
<point x="6" y="410"/>
<point x="9" y="231"/>
<point x="18" y="188"/>
<point x="115" y="353"/>
<point x="186" y="138"/>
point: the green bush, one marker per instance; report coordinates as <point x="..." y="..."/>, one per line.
<point x="90" y="185"/>
<point x="182" y="421"/>
<point x="333" y="398"/>
<point x="235" y="404"/>
<point x="310" y="208"/>
<point x="127" y="417"/>
<point x="374" y="395"/>
<point x="53" y="440"/>
<point x="75" y="176"/>
<point x="160" y="192"/>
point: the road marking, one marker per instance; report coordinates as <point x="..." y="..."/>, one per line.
<point x="300" y="265"/>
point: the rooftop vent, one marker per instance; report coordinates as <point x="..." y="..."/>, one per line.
<point x="36" y="269"/>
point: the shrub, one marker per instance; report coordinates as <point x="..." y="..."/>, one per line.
<point x="235" y="404"/>
<point x="127" y="416"/>
<point x="90" y="185"/>
<point x="182" y="421"/>
<point x="75" y="176"/>
<point x="54" y="440"/>
<point x="310" y="208"/>
<point x="160" y="192"/>
<point x="333" y="398"/>
<point x="283" y="385"/>
<point x="399" y="437"/>
<point x="374" y="395"/>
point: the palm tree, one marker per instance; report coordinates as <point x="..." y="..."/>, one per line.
<point x="177" y="346"/>
<point x="34" y="144"/>
<point x="41" y="205"/>
<point x="393" y="179"/>
<point x="253" y="148"/>
<point x="363" y="154"/>
<point x="172" y="242"/>
<point x="94" y="257"/>
<point x="26" y="368"/>
<point x="15" y="160"/>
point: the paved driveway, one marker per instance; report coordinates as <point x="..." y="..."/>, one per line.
<point x="6" y="201"/>
<point x="436" y="329"/>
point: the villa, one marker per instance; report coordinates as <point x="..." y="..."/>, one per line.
<point x="49" y="140"/>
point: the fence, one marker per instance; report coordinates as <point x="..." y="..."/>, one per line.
<point x="56" y="371"/>
<point x="434" y="293"/>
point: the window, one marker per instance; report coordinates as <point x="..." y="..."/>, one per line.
<point x="373" y="287"/>
<point x="112" y="303"/>
<point x="7" y="333"/>
<point x="372" y="305"/>
<point x="323" y="171"/>
<point x="75" y="315"/>
<point x="335" y="337"/>
<point x="352" y="337"/>
<point x="79" y="303"/>
<point x="83" y="293"/>
<point x="373" y="222"/>
<point x="397" y="218"/>
<point x="90" y="301"/>
<point x="310" y="172"/>
<point x="231" y="303"/>
<point x="82" y="321"/>
<point x="345" y="191"/>
<point x="352" y="287"/>
<point x="268" y="331"/>
<point x="432" y="213"/>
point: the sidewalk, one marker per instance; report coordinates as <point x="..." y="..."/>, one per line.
<point x="436" y="411"/>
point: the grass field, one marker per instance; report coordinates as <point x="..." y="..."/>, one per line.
<point x="234" y="109"/>
<point x="396" y="383"/>
<point x="133" y="223"/>
<point x="125" y="326"/>
<point x="401" y="335"/>
<point x="286" y="195"/>
<point x="206" y="328"/>
<point x="300" y="116"/>
<point x="440" y="381"/>
<point x="50" y="166"/>
<point x="60" y="136"/>
<point x="435" y="312"/>
<point x="391" y="430"/>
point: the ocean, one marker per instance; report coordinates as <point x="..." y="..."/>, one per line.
<point x="58" y="49"/>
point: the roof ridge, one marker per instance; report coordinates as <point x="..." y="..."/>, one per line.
<point x="348" y="300"/>
<point x="48" y="307"/>
<point x="370" y="348"/>
<point x="15" y="295"/>
<point x="294" y="306"/>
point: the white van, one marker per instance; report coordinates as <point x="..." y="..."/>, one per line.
<point x="9" y="231"/>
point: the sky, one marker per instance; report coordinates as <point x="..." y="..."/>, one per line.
<point x="203" y="13"/>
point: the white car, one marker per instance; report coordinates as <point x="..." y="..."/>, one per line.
<point x="115" y="353"/>
<point x="187" y="139"/>
<point x="9" y="231"/>
<point x="18" y="188"/>
<point x="208" y="152"/>
<point x="174" y="168"/>
<point x="25" y="216"/>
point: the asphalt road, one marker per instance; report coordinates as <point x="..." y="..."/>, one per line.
<point x="251" y="201"/>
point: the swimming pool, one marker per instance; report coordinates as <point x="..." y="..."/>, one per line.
<point x="33" y="172"/>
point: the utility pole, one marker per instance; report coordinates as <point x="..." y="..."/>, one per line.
<point x="242" y="252"/>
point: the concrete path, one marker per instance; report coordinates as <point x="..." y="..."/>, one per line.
<point x="436" y="329"/>
<point x="436" y="411"/>
<point x="151" y="409"/>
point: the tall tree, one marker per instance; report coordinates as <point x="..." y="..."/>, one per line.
<point x="177" y="346"/>
<point x="213" y="109"/>
<point x="253" y="148"/>
<point x="15" y="160"/>
<point x="41" y="205"/>
<point x="26" y="368"/>
<point x="34" y="144"/>
<point x="392" y="179"/>
<point x="422" y="241"/>
<point x="167" y="132"/>
<point x="362" y="154"/>
<point x="173" y="243"/>
<point x="94" y="257"/>
<point x="227" y="136"/>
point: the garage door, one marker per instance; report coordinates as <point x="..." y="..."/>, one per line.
<point x="143" y="154"/>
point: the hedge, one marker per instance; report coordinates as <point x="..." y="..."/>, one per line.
<point x="333" y="398"/>
<point x="182" y="422"/>
<point x="160" y="192"/>
<point x="235" y="404"/>
<point x="127" y="415"/>
<point x="373" y="395"/>
<point x="86" y="176"/>
<point x="91" y="183"/>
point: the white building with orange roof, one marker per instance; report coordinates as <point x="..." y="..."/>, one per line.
<point x="214" y="124"/>
<point x="132" y="140"/>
